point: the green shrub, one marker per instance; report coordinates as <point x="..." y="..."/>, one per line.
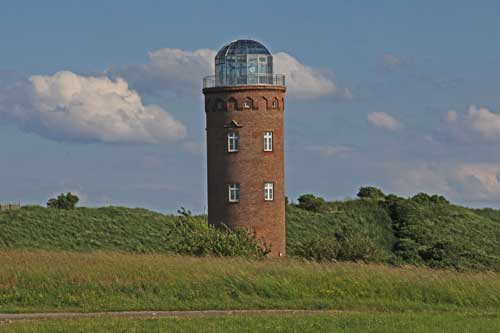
<point x="192" y="236"/>
<point x="370" y="192"/>
<point x="425" y="199"/>
<point x="63" y="201"/>
<point x="312" y="203"/>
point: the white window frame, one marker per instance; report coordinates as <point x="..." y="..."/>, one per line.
<point x="269" y="191"/>
<point x="268" y="141"/>
<point x="233" y="142"/>
<point x="274" y="104"/>
<point x="233" y="192"/>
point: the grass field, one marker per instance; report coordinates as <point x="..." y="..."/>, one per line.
<point x="341" y="322"/>
<point x="370" y="298"/>
<point x="59" y="281"/>
<point x="121" y="259"/>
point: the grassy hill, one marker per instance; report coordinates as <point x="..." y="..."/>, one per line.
<point x="423" y="230"/>
<point x="119" y="229"/>
<point x="419" y="230"/>
<point x="365" y="297"/>
<point x="348" y="230"/>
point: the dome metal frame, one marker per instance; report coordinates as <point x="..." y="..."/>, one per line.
<point x="243" y="62"/>
<point x="242" y="46"/>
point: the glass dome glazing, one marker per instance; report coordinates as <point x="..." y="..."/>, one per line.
<point x="243" y="62"/>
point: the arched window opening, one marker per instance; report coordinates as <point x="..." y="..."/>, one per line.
<point x="232" y="105"/>
<point x="265" y="103"/>
<point x="275" y="104"/>
<point x="248" y="104"/>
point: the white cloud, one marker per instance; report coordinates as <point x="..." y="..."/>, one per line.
<point x="486" y="175"/>
<point x="304" y="81"/>
<point x="383" y="120"/>
<point x="170" y="71"/>
<point x="179" y="72"/>
<point x="476" y="123"/>
<point x="484" y="122"/>
<point x="465" y="182"/>
<point x="424" y="177"/>
<point x="67" y="106"/>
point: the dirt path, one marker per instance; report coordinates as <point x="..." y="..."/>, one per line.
<point x="153" y="314"/>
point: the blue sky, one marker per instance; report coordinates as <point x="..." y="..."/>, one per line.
<point x="103" y="98"/>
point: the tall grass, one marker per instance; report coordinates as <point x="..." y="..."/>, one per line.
<point x="101" y="281"/>
<point x="339" y="322"/>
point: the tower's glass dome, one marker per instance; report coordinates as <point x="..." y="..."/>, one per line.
<point x="243" y="62"/>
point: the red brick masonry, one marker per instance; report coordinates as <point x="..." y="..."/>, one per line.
<point x="251" y="166"/>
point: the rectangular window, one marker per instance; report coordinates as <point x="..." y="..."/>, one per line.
<point x="234" y="192"/>
<point x="268" y="141"/>
<point x="269" y="191"/>
<point x="233" y="142"/>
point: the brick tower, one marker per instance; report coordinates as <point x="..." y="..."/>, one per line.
<point x="244" y="106"/>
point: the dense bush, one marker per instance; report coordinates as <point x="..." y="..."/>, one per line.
<point x="425" y="199"/>
<point x="371" y="192"/>
<point x="63" y="201"/>
<point x="357" y="230"/>
<point x="193" y="236"/>
<point x="432" y="232"/>
<point x="422" y="230"/>
<point x="312" y="203"/>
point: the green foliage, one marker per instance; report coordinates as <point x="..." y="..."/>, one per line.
<point x="63" y="201"/>
<point x="312" y="203"/>
<point x="193" y="236"/>
<point x="433" y="232"/>
<point x="425" y="199"/>
<point x="370" y="192"/>
<point x="422" y="230"/>
<point x="123" y="229"/>
<point x="358" y="230"/>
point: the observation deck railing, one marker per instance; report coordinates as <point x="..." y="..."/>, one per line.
<point x="213" y="81"/>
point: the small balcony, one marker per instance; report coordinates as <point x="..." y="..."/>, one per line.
<point x="244" y="80"/>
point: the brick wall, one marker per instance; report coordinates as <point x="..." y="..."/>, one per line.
<point x="251" y="166"/>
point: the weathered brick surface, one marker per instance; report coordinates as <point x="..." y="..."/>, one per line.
<point x="251" y="166"/>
